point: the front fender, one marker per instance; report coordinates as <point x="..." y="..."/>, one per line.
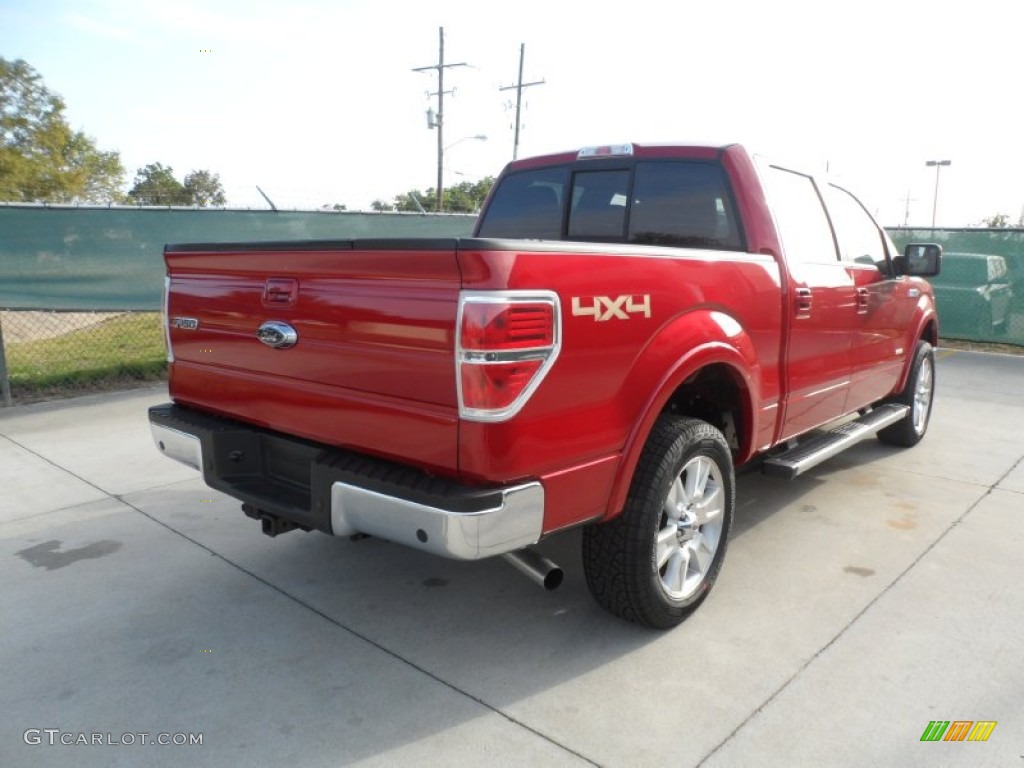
<point x="925" y="325"/>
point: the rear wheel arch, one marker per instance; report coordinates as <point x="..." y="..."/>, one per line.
<point x="718" y="395"/>
<point x="713" y="384"/>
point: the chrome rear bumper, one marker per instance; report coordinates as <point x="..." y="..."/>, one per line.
<point x="343" y="493"/>
<point x="514" y="523"/>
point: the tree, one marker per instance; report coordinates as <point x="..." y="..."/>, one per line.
<point x="155" y="185"/>
<point x="381" y="206"/>
<point x="204" y="188"/>
<point x="41" y="158"/>
<point x="99" y="175"/>
<point x="997" y="221"/>
<point x="415" y="201"/>
<point x="468" y="196"/>
<point x="464" y="197"/>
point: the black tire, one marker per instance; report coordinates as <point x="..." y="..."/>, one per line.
<point x="620" y="557"/>
<point x="918" y="393"/>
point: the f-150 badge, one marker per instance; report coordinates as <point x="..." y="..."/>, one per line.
<point x="603" y="308"/>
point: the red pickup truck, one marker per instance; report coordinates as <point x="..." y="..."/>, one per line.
<point x="626" y="326"/>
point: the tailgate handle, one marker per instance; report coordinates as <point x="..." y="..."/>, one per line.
<point x="280" y="292"/>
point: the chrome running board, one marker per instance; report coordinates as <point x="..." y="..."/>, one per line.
<point x="815" y="450"/>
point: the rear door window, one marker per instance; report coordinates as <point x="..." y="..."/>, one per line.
<point x="801" y="218"/>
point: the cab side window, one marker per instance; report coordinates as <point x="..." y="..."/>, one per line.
<point x="803" y="224"/>
<point x="860" y="239"/>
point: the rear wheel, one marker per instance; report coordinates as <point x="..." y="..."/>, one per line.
<point x="657" y="561"/>
<point x="917" y="394"/>
<point x="1004" y="325"/>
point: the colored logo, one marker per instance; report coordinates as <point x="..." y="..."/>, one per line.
<point x="958" y="730"/>
<point x="276" y="334"/>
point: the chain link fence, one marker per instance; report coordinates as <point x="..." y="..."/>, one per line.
<point x="979" y="293"/>
<point x="69" y="270"/>
<point x="44" y="353"/>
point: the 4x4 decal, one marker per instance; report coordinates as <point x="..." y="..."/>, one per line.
<point x="603" y="308"/>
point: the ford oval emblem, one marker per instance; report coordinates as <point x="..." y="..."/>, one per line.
<point x="278" y="335"/>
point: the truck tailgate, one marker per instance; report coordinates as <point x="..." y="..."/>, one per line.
<point x="372" y="368"/>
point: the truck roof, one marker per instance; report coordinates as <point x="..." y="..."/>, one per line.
<point x="691" y="149"/>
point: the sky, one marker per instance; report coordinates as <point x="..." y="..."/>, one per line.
<point x="317" y="104"/>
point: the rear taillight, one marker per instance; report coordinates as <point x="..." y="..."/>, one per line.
<point x="167" y="318"/>
<point x="507" y="342"/>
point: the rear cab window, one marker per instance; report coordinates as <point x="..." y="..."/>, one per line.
<point x="527" y="205"/>
<point x="683" y="203"/>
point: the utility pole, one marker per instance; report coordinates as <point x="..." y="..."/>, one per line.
<point x="906" y="211"/>
<point x="440" y="67"/>
<point x="519" y="96"/>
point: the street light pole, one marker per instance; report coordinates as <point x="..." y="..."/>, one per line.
<point x="938" y="166"/>
<point x="477" y="137"/>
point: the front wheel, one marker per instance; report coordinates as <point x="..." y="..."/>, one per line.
<point x="657" y="561"/>
<point x="986" y="324"/>
<point x="917" y="394"/>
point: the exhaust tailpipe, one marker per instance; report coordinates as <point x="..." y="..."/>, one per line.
<point x="537" y="567"/>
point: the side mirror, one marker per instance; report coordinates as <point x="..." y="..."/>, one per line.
<point x="919" y="260"/>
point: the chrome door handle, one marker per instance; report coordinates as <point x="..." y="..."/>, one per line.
<point x="863" y="298"/>
<point x="803" y="302"/>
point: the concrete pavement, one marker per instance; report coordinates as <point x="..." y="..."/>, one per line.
<point x="858" y="603"/>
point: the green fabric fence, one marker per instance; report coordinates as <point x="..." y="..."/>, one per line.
<point x="57" y="258"/>
<point x="90" y="258"/>
<point x="980" y="292"/>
